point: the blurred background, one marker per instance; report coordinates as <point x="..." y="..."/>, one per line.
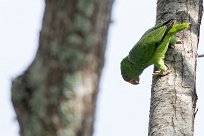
<point x="122" y="109"/>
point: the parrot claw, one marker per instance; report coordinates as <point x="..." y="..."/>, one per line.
<point x="161" y="73"/>
<point x="172" y="46"/>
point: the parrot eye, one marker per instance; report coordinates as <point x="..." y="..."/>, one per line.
<point x="126" y="78"/>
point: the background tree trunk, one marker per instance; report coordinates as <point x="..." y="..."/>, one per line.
<point x="56" y="95"/>
<point x="173" y="97"/>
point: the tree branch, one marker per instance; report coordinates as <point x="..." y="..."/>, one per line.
<point x="200" y="56"/>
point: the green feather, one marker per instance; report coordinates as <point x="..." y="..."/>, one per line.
<point x="150" y="49"/>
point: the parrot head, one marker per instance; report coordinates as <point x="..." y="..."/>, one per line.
<point x="129" y="72"/>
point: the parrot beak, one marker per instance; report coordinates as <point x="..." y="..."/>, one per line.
<point x="134" y="82"/>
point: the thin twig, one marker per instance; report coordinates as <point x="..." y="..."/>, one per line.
<point x="195" y="112"/>
<point x="202" y="55"/>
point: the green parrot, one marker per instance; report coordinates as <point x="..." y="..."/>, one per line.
<point x="151" y="49"/>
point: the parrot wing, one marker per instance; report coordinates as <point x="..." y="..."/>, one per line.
<point x="143" y="50"/>
<point x="159" y="25"/>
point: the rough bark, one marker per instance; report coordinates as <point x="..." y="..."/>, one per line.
<point x="56" y="95"/>
<point x="173" y="97"/>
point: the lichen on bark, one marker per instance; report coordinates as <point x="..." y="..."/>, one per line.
<point x="56" y="95"/>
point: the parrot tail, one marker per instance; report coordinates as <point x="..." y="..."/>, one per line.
<point x="169" y="24"/>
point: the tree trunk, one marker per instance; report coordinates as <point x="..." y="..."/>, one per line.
<point x="173" y="97"/>
<point x="56" y="95"/>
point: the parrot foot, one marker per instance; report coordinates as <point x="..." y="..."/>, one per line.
<point x="161" y="73"/>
